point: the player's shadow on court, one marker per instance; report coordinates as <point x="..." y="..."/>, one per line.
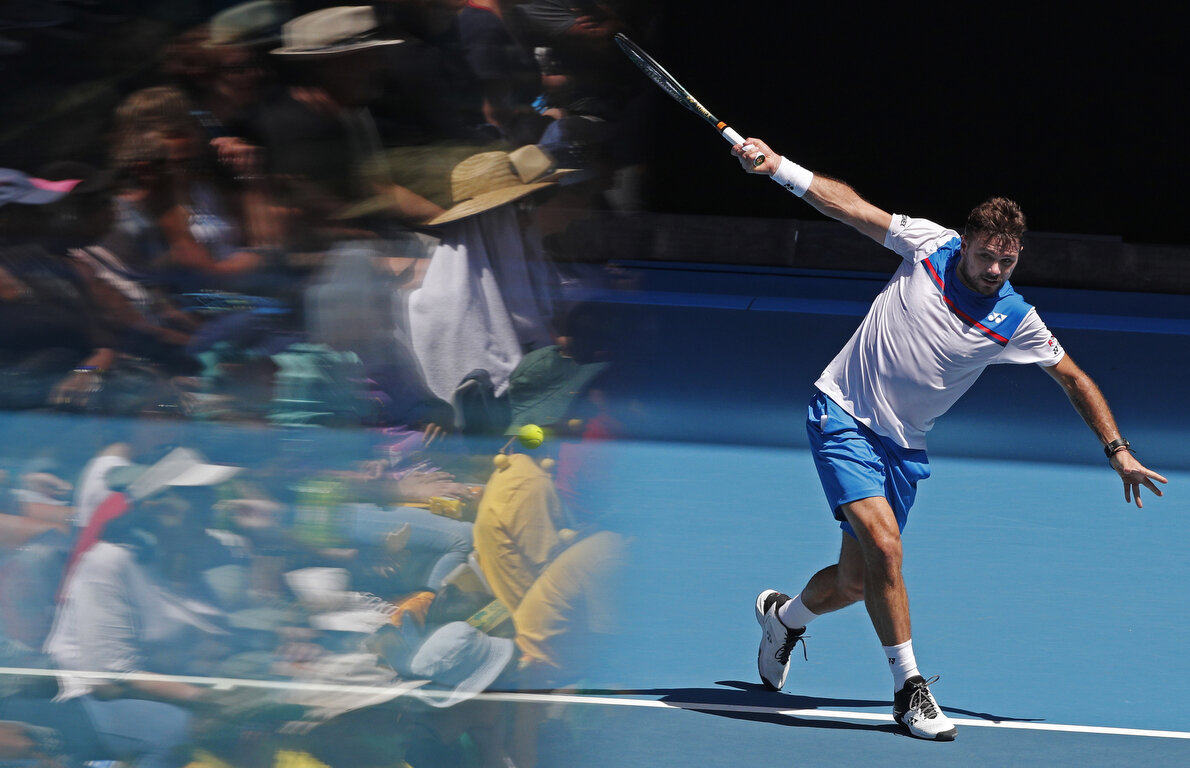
<point x="792" y="701"/>
<point x="751" y="701"/>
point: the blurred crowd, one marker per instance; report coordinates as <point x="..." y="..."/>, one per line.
<point x="366" y="195"/>
<point x="290" y="302"/>
<point x="340" y="595"/>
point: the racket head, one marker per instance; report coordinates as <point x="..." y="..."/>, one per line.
<point x="658" y="74"/>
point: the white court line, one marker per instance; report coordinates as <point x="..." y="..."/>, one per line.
<point x="226" y="683"/>
<point x="826" y="714"/>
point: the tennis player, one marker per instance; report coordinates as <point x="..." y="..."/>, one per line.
<point x="948" y="312"/>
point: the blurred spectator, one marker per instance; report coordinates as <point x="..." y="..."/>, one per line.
<point x="181" y="225"/>
<point x="578" y="35"/>
<point x="518" y="528"/>
<point x="506" y="69"/>
<point x="440" y="723"/>
<point x="138" y="596"/>
<point x="541" y="543"/>
<point x="550" y="387"/>
<point x="240" y="75"/>
<point x="358" y="303"/>
<point x="93" y="488"/>
<point x="487" y="294"/>
<point x="566" y="394"/>
<point x="35" y="535"/>
<point x="602" y="102"/>
<point x="25" y="742"/>
<point x="320" y="135"/>
<point x="55" y="346"/>
<point x="430" y="94"/>
<point x="42" y="494"/>
<point x="422" y="548"/>
<point x="121" y="614"/>
<point x="16" y="529"/>
<point x="461" y="658"/>
<point x="146" y="324"/>
<point x="129" y="482"/>
<point x="573" y="602"/>
<point x="40" y="540"/>
<point x="233" y="76"/>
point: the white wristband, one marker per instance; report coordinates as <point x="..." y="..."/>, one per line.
<point x="793" y="177"/>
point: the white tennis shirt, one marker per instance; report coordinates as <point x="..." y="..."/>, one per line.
<point x="927" y="337"/>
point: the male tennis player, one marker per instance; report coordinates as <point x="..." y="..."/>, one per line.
<point x="948" y="313"/>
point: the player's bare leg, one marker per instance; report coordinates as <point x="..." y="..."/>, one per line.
<point x="879" y="538"/>
<point x="783" y="619"/>
<point x="840" y="585"/>
<point x="887" y="601"/>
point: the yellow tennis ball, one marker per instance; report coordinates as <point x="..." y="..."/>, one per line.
<point x="530" y="436"/>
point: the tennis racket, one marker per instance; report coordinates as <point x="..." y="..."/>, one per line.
<point x="670" y="85"/>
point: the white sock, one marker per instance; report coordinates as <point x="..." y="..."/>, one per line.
<point x="901" y="662"/>
<point x="794" y="614"/>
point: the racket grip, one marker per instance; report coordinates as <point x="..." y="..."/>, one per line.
<point x="734" y="137"/>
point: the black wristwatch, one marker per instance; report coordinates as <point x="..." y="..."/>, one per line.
<point x="1112" y="448"/>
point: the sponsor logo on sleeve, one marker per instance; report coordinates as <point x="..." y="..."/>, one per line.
<point x="1054" y="346"/>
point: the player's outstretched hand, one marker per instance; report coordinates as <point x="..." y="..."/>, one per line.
<point x="1134" y="474"/>
<point x="747" y="152"/>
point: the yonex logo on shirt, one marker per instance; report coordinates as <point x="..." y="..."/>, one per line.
<point x="996" y="317"/>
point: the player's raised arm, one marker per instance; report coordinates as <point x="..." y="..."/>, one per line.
<point x="829" y="196"/>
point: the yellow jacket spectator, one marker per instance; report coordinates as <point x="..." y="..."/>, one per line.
<point x="517" y="528"/>
<point x="571" y="604"/>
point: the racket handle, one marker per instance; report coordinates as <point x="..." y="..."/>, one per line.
<point x="732" y="136"/>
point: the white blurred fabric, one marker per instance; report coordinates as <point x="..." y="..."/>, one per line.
<point x="484" y="300"/>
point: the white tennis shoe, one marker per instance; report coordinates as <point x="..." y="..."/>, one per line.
<point x="776" y="639"/>
<point x="915" y="708"/>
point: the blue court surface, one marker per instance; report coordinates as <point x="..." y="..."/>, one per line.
<point x="1053" y="612"/>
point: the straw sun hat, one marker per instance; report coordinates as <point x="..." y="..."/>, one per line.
<point x="480" y="182"/>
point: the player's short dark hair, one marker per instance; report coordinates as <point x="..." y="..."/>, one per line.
<point x="998" y="217"/>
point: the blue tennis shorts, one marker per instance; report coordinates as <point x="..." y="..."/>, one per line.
<point x="856" y="463"/>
